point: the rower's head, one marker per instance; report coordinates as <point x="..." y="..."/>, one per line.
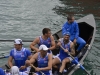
<point x="70" y="18"/>
<point x="46" y="32"/>
<point x="66" y="36"/>
<point x="43" y="49"/>
<point x="18" y="44"/>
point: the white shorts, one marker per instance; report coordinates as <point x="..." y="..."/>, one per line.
<point x="23" y="73"/>
<point x="61" y="58"/>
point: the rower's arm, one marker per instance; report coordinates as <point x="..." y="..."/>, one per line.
<point x="29" y="54"/>
<point x="72" y="48"/>
<point x="10" y="59"/>
<point x="33" y="58"/>
<point x="49" y="67"/>
<point x="32" y="45"/>
<point x="52" y="43"/>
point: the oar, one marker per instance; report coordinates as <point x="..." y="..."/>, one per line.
<point x="76" y="61"/>
<point x="35" y="68"/>
<point x="4" y="56"/>
<point x="13" y="40"/>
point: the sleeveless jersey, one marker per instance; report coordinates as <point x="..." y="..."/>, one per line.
<point x="65" y="46"/>
<point x="43" y="62"/>
<point x="20" y="57"/>
<point x="46" y="42"/>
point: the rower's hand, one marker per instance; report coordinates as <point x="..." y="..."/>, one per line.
<point x="74" y="42"/>
<point x="27" y="63"/>
<point x="65" y="50"/>
<point x="37" y="69"/>
<point x="38" y="50"/>
<point x="58" y="44"/>
<point x="22" y="67"/>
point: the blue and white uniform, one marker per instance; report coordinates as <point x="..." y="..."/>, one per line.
<point x="46" y="42"/>
<point x="20" y="57"/>
<point x="62" y="55"/>
<point x="43" y="62"/>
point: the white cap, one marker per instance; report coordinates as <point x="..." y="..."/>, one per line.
<point x="18" y="41"/>
<point x="14" y="70"/>
<point x="43" y="47"/>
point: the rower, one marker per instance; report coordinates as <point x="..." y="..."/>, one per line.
<point x="46" y="39"/>
<point x="19" y="54"/>
<point x="63" y="56"/>
<point x="44" y="61"/>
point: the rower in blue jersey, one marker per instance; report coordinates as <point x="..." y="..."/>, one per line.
<point x="20" y="55"/>
<point x="44" y="61"/>
<point x="46" y="39"/>
<point x="63" y="56"/>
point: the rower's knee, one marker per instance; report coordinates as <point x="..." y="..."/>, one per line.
<point x="55" y="61"/>
<point x="83" y="43"/>
<point x="65" y="61"/>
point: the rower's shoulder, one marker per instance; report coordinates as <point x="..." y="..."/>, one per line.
<point x="36" y="39"/>
<point x="51" y="37"/>
<point x="12" y="49"/>
<point x="71" y="44"/>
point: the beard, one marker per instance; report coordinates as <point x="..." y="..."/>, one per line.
<point x="66" y="40"/>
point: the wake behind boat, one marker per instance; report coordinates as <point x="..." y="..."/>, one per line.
<point x="87" y="30"/>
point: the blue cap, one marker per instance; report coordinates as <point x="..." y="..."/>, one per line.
<point x="66" y="33"/>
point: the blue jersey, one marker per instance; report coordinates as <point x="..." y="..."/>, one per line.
<point x="65" y="46"/>
<point x="46" y="42"/>
<point x="72" y="28"/>
<point x="20" y="56"/>
<point x="43" y="62"/>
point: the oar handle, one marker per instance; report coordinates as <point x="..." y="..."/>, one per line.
<point x="35" y="68"/>
<point x="76" y="61"/>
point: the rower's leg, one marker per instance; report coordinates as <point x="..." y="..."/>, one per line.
<point x="37" y="73"/>
<point x="66" y="60"/>
<point x="55" y="61"/>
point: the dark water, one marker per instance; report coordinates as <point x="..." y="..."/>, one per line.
<point x="25" y="19"/>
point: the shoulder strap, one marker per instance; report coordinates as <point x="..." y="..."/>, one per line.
<point x="40" y="37"/>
